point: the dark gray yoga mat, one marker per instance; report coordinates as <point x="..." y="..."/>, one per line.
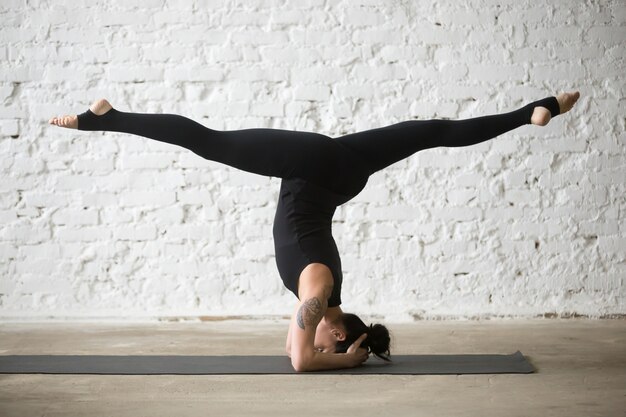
<point x="205" y="365"/>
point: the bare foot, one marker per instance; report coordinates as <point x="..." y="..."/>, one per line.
<point x="70" y="122"/>
<point x="541" y="116"/>
<point x="567" y="101"/>
<point x="98" y="107"/>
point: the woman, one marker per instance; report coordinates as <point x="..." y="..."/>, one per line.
<point x="318" y="174"/>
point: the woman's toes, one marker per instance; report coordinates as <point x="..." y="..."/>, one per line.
<point x="70" y="122"/>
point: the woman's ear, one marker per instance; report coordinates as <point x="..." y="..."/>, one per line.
<point x="339" y="334"/>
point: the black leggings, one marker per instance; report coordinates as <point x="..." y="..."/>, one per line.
<point x="311" y="156"/>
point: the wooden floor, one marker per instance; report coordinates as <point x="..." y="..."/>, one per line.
<point x="581" y="372"/>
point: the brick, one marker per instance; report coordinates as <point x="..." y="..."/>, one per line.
<point x="352" y="91"/>
<point x="19" y="74"/>
<point x="380" y="72"/>
<point x="392" y="212"/>
<point x="564" y="144"/>
<point x="287" y="17"/>
<point x="194" y="74"/>
<point x="567" y="34"/>
<point x="461" y="197"/>
<point x="7" y="216"/>
<point x="460" y="214"/>
<point x="362" y="17"/>
<point x="195" y="196"/>
<point x="43" y="283"/>
<point x="304" y="4"/>
<point x="268" y="109"/>
<point x="613" y="244"/>
<point x="36" y="266"/>
<point x="384" y="231"/>
<point x="136" y="233"/>
<point x="25" y="234"/>
<point x="604" y="282"/>
<point x="256" y="74"/>
<point x="312" y="92"/>
<point x="36" y="199"/>
<point x="596" y="228"/>
<point x="9" y="199"/>
<point x="523" y="197"/>
<point x="73" y="182"/>
<point x="549" y="72"/>
<point x="254" y="249"/>
<point x="75" y="217"/>
<point x="116" y="216"/>
<point x="282" y="55"/>
<point x="166" y="215"/>
<point x="436" y="35"/>
<point x="494" y="161"/>
<point x="321" y="74"/>
<point x="134" y="74"/>
<point x="469" y="180"/>
<point x="247" y="18"/>
<point x="100" y="199"/>
<point x="238" y="178"/>
<point x="94" y="165"/>
<point x="495" y="73"/>
<point x="148" y="198"/>
<point x="42" y="250"/>
<point x="194" y="232"/>
<point x="254" y="37"/>
<point x="342" y="55"/>
<point x="145" y="161"/>
<point x="394" y="53"/>
<point x="7" y="251"/>
<point x="606" y="35"/>
<point x="220" y="109"/>
<point x="529" y="15"/>
<point x="9" y="127"/>
<point x="506" y="213"/>
<point x="316" y="38"/>
<point x="374" y="36"/>
<point x="151" y="4"/>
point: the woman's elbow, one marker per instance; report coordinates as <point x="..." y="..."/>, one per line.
<point x="300" y="364"/>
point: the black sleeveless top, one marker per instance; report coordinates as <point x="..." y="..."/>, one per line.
<point x="303" y="230"/>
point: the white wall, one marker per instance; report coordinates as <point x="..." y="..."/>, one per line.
<point x="113" y="225"/>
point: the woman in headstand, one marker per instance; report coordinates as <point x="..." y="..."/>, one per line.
<point x="318" y="174"/>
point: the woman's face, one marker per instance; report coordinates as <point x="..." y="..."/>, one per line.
<point x="326" y="337"/>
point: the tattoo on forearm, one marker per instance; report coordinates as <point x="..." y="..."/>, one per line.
<point x="310" y="312"/>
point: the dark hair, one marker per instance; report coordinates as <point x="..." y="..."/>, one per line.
<point x="377" y="341"/>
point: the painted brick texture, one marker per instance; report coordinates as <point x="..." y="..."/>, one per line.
<point x="111" y="225"/>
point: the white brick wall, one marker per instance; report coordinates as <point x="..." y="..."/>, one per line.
<point x="112" y="225"/>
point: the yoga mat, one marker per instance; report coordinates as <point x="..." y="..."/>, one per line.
<point x="205" y="365"/>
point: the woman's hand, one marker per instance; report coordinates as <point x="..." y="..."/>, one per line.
<point x="356" y="354"/>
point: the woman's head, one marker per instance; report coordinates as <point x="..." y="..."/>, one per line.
<point x="377" y="341"/>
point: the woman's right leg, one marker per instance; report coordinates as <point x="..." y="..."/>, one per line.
<point x="269" y="152"/>
<point x="384" y="146"/>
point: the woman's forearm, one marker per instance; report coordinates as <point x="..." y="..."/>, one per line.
<point x="321" y="361"/>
